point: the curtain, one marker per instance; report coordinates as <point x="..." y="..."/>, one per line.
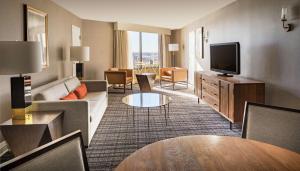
<point x="120" y="49"/>
<point x="165" y="60"/>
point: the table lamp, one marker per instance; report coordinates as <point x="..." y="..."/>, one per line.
<point x="79" y="54"/>
<point x="173" y="47"/>
<point x="18" y="57"/>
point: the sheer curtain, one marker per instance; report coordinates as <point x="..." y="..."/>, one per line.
<point x="165" y="60"/>
<point x="120" y="49"/>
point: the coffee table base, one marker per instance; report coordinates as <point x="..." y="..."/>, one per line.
<point x="167" y="112"/>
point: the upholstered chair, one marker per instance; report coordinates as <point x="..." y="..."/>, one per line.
<point x="65" y="153"/>
<point x="274" y="125"/>
<point x="174" y="75"/>
<point x="115" y="76"/>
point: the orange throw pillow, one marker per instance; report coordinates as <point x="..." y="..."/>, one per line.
<point x="81" y="91"/>
<point x="70" y="96"/>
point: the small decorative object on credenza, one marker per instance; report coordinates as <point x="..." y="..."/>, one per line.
<point x="173" y="48"/>
<point x="286" y="27"/>
<point x="19" y="57"/>
<point x="80" y="54"/>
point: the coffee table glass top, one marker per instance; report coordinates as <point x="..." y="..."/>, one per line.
<point x="146" y="100"/>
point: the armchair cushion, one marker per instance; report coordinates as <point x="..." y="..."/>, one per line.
<point x="169" y="78"/>
<point x="168" y="73"/>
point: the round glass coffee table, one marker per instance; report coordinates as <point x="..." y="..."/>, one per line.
<point x="147" y="100"/>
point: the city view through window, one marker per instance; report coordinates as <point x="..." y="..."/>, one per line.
<point x="143" y="51"/>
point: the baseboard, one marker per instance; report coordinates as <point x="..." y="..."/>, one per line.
<point x="3" y="147"/>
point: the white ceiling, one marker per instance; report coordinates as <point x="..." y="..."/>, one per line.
<point x="171" y="14"/>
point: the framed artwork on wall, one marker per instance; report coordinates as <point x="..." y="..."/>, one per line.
<point x="36" y="29"/>
<point x="200" y="43"/>
<point x="76" y="36"/>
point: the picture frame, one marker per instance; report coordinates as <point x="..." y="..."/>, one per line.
<point x="36" y="29"/>
<point x="200" y="43"/>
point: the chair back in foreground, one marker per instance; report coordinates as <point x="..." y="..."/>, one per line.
<point x="144" y="83"/>
<point x="65" y="153"/>
<point x="271" y="124"/>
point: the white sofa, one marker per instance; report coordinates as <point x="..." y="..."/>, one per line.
<point x="84" y="114"/>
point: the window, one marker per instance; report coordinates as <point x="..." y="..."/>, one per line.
<point x="143" y="51"/>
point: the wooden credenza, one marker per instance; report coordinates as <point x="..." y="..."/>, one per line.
<point x="227" y="95"/>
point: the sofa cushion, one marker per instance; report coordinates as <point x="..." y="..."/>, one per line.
<point x="95" y="108"/>
<point x="72" y="84"/>
<point x="95" y="96"/>
<point x="53" y="93"/>
<point x="70" y="96"/>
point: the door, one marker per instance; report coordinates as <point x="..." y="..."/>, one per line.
<point x="224" y="97"/>
<point x="191" y="56"/>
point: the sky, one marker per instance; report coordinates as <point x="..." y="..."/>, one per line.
<point x="149" y="41"/>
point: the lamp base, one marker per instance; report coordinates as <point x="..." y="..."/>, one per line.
<point x="79" y="70"/>
<point x="20" y="96"/>
<point x="20" y="113"/>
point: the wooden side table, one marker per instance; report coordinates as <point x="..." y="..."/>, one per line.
<point x="37" y="129"/>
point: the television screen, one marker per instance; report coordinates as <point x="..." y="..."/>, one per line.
<point x="225" y="58"/>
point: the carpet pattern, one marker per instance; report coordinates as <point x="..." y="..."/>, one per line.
<point x="117" y="136"/>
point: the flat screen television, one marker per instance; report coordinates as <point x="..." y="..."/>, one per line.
<point x="225" y="58"/>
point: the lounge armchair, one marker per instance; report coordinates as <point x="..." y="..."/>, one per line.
<point x="119" y="76"/>
<point x="174" y="75"/>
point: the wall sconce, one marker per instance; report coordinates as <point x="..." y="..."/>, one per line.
<point x="206" y="33"/>
<point x="286" y="27"/>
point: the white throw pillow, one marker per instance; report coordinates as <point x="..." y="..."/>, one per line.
<point x="72" y="84"/>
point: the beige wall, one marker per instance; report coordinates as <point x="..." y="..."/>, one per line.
<point x="11" y="28"/>
<point x="99" y="36"/>
<point x="268" y="53"/>
<point x="176" y="38"/>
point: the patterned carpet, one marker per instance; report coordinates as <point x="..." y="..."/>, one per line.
<point x="117" y="137"/>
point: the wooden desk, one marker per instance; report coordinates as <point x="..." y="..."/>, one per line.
<point x="39" y="128"/>
<point x="210" y="153"/>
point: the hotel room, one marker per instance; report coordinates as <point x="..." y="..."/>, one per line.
<point x="150" y="85"/>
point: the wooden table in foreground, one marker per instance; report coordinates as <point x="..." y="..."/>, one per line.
<point x="37" y="129"/>
<point x="210" y="153"/>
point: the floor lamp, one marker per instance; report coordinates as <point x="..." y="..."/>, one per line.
<point x="19" y="57"/>
<point x="174" y="47"/>
<point x="80" y="54"/>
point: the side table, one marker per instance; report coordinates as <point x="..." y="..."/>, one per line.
<point x="37" y="129"/>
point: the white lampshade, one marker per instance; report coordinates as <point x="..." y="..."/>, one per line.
<point x="18" y="57"/>
<point x="173" y="47"/>
<point x="80" y="53"/>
